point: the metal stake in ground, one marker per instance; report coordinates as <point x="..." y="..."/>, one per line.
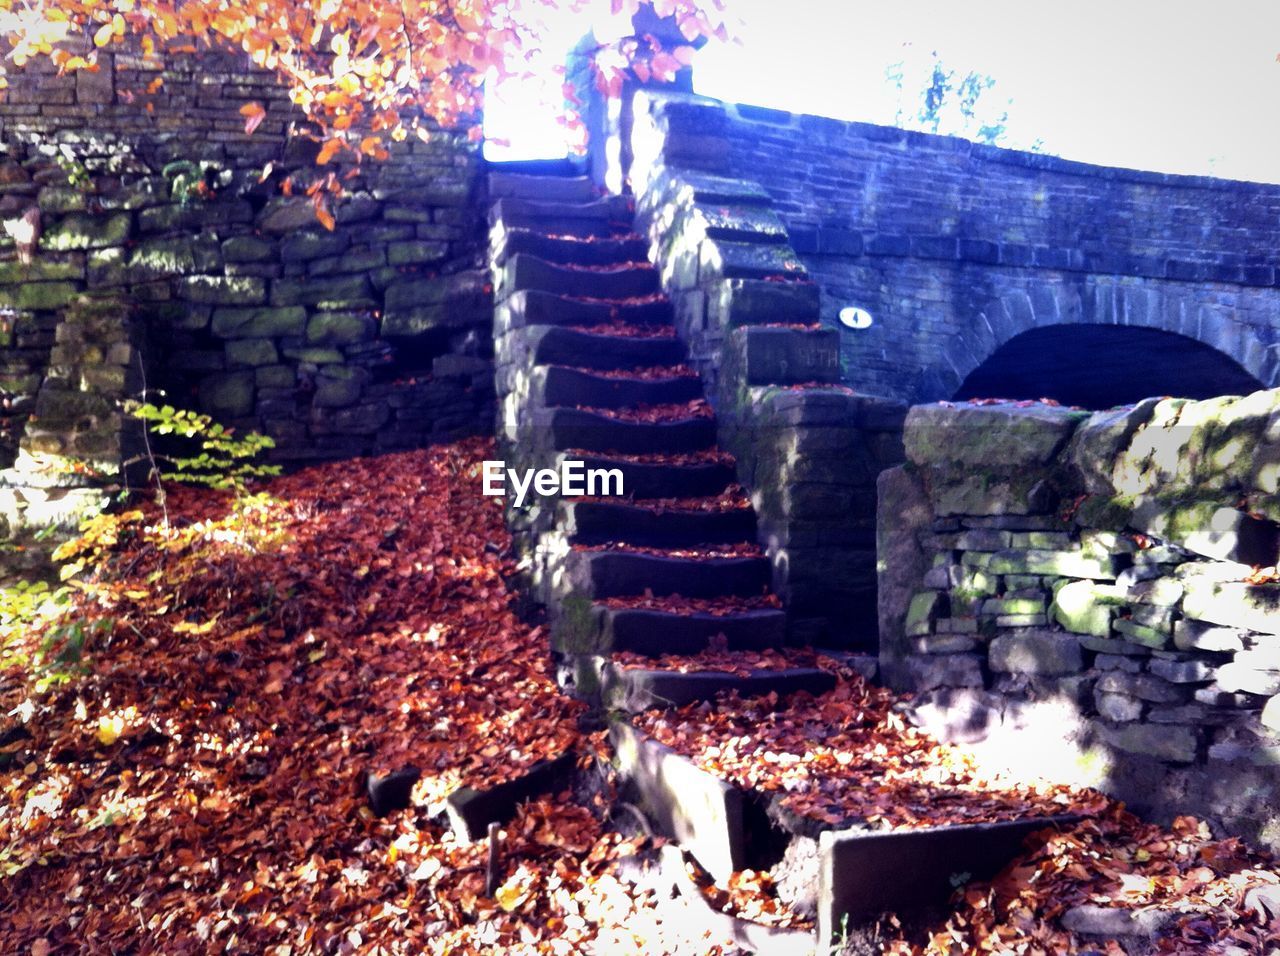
<point x="491" y="868"/>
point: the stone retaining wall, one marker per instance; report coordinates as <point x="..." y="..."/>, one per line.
<point x="144" y="184"/>
<point x="1081" y="593"/>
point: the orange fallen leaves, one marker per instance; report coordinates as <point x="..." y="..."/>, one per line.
<point x="656" y="414"/>
<point x="846" y="758"/>
<point x="202" y="787"/>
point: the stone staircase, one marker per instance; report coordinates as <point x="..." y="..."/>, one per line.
<point x="589" y="368"/>
<point x="660" y="598"/>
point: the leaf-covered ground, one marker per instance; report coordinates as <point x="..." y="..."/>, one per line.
<point x="201" y="787"/>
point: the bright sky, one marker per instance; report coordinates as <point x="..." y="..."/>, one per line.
<point x="1184" y="86"/>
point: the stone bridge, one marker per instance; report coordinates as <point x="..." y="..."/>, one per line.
<point x="996" y="272"/>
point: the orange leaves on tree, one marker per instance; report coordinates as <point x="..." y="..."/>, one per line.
<point x="328" y="151"/>
<point x="346" y="62"/>
<point x="113" y="29"/>
<point x="253" y="113"/>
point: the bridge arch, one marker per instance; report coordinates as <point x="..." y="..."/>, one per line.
<point x="1105" y="341"/>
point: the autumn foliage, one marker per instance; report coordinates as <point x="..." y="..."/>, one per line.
<point x="201" y="787"/>
<point x="361" y="71"/>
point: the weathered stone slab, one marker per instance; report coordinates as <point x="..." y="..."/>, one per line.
<point x="263" y="322"/>
<point x="1044" y="653"/>
<point x="1067" y="564"/>
<point x="1210" y="528"/>
<point x="930" y="672"/>
<point x="1120" y="708"/>
<point x="419" y="305"/>
<point x="1003" y="437"/>
<point x="1146" y="687"/>
<point x="1169" y="742"/>
<point x="903" y="511"/>
<point x="1243" y="678"/>
<point x="982" y="494"/>
<point x="759" y="355"/>
<point x="1189" y="635"/>
<point x="1233" y="604"/>
<point x="1086" y="607"/>
<point x="922" y="612"/>
<point x="864" y="874"/>
<point x="699" y="810"/>
<point x="1271" y="714"/>
<point x="1112" y="921"/>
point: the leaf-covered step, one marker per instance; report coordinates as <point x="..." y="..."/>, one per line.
<point x="524" y="348"/>
<point x="563" y="385"/>
<point x="664" y="475"/>
<point x="689" y="626"/>
<point x="470" y="809"/>
<point x="601" y="217"/>
<point x="624" y="571"/>
<point x="852" y="873"/>
<point x="578" y="250"/>
<point x="599" y="521"/>
<point x="593" y="431"/>
<point x="559" y="189"/>
<point x="528" y="308"/>
<point x="635" y="688"/>
<point x="628" y="280"/>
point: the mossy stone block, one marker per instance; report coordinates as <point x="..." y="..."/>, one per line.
<point x="229" y="395"/>
<point x="83" y="231"/>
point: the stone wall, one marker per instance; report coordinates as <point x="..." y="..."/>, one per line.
<point x="1080" y="592"/>
<point x="955" y="248"/>
<point x="144" y="184"/>
<point x="808" y="448"/>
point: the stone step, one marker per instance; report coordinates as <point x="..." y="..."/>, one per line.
<point x="627" y="281"/>
<point x="590" y="431"/>
<point x="652" y="631"/>
<point x="844" y="874"/>
<point x="598" y="522"/>
<point x="561" y="189"/>
<point x="526" y="308"/>
<point x="562" y="385"/>
<point x="610" y="216"/>
<point x="560" y="345"/>
<point x="470" y="810"/>
<point x="619" y="573"/>
<point x="585" y="251"/>
<point x="701" y="812"/>
<point x="635" y="689"/>
<point x="655" y="478"/>
<point x="862" y="874"/>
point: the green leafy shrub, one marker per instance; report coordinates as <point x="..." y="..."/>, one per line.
<point x="223" y="460"/>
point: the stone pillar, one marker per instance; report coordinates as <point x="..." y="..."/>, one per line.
<point x="610" y="119"/>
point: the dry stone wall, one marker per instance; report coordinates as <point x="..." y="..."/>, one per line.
<point x="140" y="181"/>
<point x="1082" y="592"/>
